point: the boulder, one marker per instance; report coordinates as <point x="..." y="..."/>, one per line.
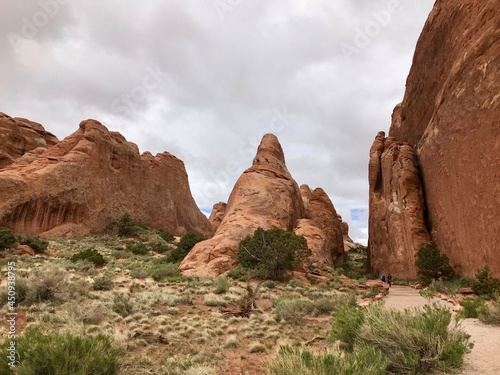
<point x="264" y="196"/>
<point x="20" y="136"/>
<point x="91" y="178"/>
<point x="450" y="117"/>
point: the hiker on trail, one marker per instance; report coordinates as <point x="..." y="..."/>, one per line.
<point x="383" y="278"/>
<point x="389" y="280"/>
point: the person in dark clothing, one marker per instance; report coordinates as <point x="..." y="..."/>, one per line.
<point x="389" y="280"/>
<point x="383" y="278"/>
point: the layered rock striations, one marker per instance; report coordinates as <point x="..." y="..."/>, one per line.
<point x="450" y="118"/>
<point x="267" y="196"/>
<point x="92" y="177"/>
<point x="397" y="212"/>
<point x="19" y="136"/>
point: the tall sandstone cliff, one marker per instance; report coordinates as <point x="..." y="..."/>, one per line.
<point x="450" y="121"/>
<point x="94" y="176"/>
<point x="267" y="196"/>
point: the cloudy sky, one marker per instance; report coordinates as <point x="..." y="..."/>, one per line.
<point x="205" y="79"/>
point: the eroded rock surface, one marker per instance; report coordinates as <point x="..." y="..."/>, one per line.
<point x="19" y="136"/>
<point x="396" y="224"/>
<point x="92" y="177"/>
<point x="450" y="117"/>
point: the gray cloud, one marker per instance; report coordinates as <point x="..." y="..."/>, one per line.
<point x="202" y="79"/>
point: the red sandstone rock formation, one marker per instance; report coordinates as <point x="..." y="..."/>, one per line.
<point x="267" y="196"/>
<point x="321" y="213"/>
<point x="93" y="177"/>
<point x="450" y="116"/>
<point x="396" y="224"/>
<point x="264" y="196"/>
<point x="218" y="212"/>
<point x="18" y="136"/>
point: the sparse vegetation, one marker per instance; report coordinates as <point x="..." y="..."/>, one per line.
<point x="102" y="283"/>
<point x="492" y="313"/>
<point x="221" y="285"/>
<point x="36" y="243"/>
<point x="432" y="265"/>
<point x="7" y="238"/>
<point x="90" y="255"/>
<point x="184" y="246"/>
<point x="485" y="285"/>
<point x="270" y="253"/>
<point x="57" y="354"/>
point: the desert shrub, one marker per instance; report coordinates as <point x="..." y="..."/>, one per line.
<point x="102" y="283"/>
<point x="184" y="246"/>
<point x="472" y="308"/>
<point x="272" y="252"/>
<point x="160" y="247"/>
<point x="432" y="265"/>
<point x="46" y="285"/>
<point x="91" y="255"/>
<point x="415" y="341"/>
<point x="21" y="292"/>
<point x="294" y="283"/>
<point x="57" y="354"/>
<point x="221" y="285"/>
<point x="160" y="272"/>
<point x="122" y="304"/>
<point x="292" y="309"/>
<point x="240" y="273"/>
<point x="137" y="247"/>
<point x="139" y="273"/>
<point x="492" y="313"/>
<point x="126" y="227"/>
<point x="485" y="285"/>
<point x="347" y="324"/>
<point x="36" y="243"/>
<point x="166" y="236"/>
<point x="7" y="238"/>
<point x="365" y="360"/>
<point x="211" y="299"/>
<point x="81" y="265"/>
<point x="269" y="284"/>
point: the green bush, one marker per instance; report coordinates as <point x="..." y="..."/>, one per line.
<point x="161" y="272"/>
<point x="432" y="265"/>
<point x="240" y="273"/>
<point x="292" y="309"/>
<point x="166" y="236"/>
<point x="485" y="285"/>
<point x="347" y="324"/>
<point x="137" y="247"/>
<point x="102" y="283"/>
<point x="91" y="255"/>
<point x="365" y="360"/>
<point x="184" y="246"/>
<point x="58" y="354"/>
<point x="272" y="252"/>
<point x="122" y="304"/>
<point x="160" y="247"/>
<point x="472" y="308"/>
<point x="36" y="243"/>
<point x="492" y="313"/>
<point x="126" y="227"/>
<point x="415" y="341"/>
<point x="7" y="238"/>
<point x="221" y="285"/>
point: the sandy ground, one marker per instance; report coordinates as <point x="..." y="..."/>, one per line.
<point x="485" y="356"/>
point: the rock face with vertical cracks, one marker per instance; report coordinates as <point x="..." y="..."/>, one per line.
<point x="92" y="177"/>
<point x="396" y="224"/>
<point x="19" y="136"/>
<point x="450" y="116"/>
<point x="321" y="227"/>
<point x="267" y="196"/>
